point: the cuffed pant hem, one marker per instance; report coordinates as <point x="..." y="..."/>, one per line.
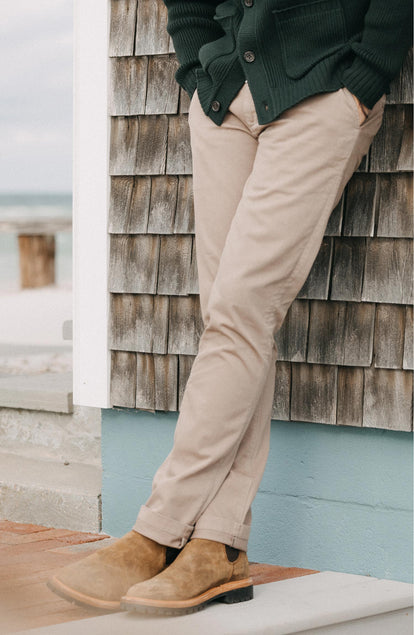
<point x="167" y="531"/>
<point x="221" y="536"/>
<point x="222" y="530"/>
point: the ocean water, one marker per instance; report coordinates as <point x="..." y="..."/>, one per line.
<point x="33" y="205"/>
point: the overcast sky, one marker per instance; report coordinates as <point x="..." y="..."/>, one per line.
<point x="36" y="96"/>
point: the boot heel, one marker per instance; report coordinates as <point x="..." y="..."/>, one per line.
<point x="238" y="595"/>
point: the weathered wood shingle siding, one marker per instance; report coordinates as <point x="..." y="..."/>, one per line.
<point x="345" y="348"/>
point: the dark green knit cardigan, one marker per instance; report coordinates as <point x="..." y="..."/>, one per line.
<point x="287" y="49"/>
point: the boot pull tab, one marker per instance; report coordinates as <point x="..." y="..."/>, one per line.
<point x="170" y="555"/>
<point x="232" y="553"/>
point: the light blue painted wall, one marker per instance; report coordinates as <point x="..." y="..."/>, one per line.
<point x="332" y="498"/>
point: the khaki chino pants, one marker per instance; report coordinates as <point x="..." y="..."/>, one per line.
<point x="263" y="195"/>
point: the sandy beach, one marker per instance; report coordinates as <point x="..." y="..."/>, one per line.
<point x="31" y="321"/>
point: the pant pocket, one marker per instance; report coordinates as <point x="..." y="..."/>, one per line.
<point x="350" y="99"/>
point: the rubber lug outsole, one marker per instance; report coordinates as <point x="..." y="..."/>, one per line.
<point x="243" y="594"/>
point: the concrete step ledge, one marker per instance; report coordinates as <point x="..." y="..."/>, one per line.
<point x="326" y="603"/>
<point x="56" y="436"/>
<point x="45" y="391"/>
<point x="50" y="493"/>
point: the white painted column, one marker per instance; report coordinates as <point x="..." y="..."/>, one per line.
<point x="91" y="355"/>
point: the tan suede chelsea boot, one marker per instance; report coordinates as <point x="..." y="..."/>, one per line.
<point x="204" y="571"/>
<point x="102" y="578"/>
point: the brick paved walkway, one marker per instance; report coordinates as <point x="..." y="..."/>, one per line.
<point x="30" y="553"/>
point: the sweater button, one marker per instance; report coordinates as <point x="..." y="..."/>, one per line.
<point x="248" y="3"/>
<point x="249" y="56"/>
<point x="215" y="105"/>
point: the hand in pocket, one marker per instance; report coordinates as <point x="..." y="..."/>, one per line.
<point x="363" y="110"/>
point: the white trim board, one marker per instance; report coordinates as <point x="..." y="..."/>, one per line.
<point x="91" y="355"/>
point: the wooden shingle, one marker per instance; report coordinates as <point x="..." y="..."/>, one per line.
<point x="133" y="263"/>
<point x="128" y="85"/>
<point x="388" y="271"/>
<point x="313" y="393"/>
<point x="152" y="145"/>
<point x="395" y="205"/>
<point x="389" y="336"/>
<point x="291" y="339"/>
<point x="145" y="383"/>
<point x="179" y="159"/>
<point x="281" y="398"/>
<point x="350" y="396"/>
<point x="401" y="87"/>
<point x="139" y="145"/>
<point x="359" y="213"/>
<point x="163" y="90"/>
<point x="348" y="269"/>
<point x="391" y="149"/>
<point x="163" y="204"/>
<point x="192" y="281"/>
<point x="184" y="216"/>
<point x="123" y="379"/>
<point x="388" y="399"/>
<point x="408" y="339"/>
<point x="316" y="285"/>
<point x="151" y="37"/>
<point x="184" y="325"/>
<point x="166" y="382"/>
<point x="174" y="265"/>
<point x="139" y="322"/>
<point x="334" y="225"/>
<point x="341" y="333"/>
<point x="184" y="104"/>
<point x="122" y="27"/>
<point x="129" y="204"/>
<point x="124" y="145"/>
<point x="128" y="330"/>
<point x="185" y="363"/>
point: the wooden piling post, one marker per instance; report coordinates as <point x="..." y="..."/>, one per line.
<point x="36" y="260"/>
